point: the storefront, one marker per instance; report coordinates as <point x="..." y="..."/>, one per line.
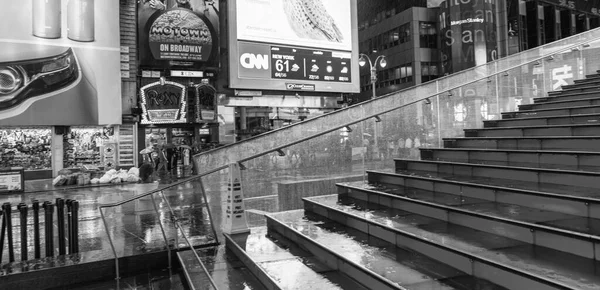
<point x="29" y="148"/>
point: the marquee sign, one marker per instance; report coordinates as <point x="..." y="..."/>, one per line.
<point x="163" y="102"/>
<point x="206" y="103"/>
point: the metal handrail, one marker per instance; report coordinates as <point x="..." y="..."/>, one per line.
<point x="212" y="282"/>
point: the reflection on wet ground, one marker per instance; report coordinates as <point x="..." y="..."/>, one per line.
<point x="135" y="226"/>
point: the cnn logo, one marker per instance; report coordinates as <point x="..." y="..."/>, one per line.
<point x="255" y="61"/>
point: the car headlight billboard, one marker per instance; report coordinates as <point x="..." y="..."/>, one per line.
<point x="60" y="63"/>
<point x="294" y="45"/>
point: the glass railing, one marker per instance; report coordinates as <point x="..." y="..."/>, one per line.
<point x="173" y="218"/>
<point x="308" y="157"/>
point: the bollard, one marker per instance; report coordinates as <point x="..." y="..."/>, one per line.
<point x="75" y="225"/>
<point x="70" y="225"/>
<point x="7" y="217"/>
<point x="2" y="231"/>
<point x="36" y="228"/>
<point x="60" y="221"/>
<point x="48" y="225"/>
<point x="22" y="207"/>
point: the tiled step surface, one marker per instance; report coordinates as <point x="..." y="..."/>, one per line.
<point x="402" y="267"/>
<point x="561" y="103"/>
<point x="549" y="120"/>
<point x="537" y="130"/>
<point x="522" y="213"/>
<point x="566" y="270"/>
<point x="573" y="160"/>
<point x="514" y="221"/>
<point x="290" y="267"/>
<point x="552" y="112"/>
<point x="557" y="189"/>
<point x="556" y="143"/>
<point x="583" y="179"/>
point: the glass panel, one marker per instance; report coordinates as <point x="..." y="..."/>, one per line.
<point x="333" y="121"/>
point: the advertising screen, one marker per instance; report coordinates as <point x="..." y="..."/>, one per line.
<point x="178" y="33"/>
<point x="60" y="63"/>
<point x="294" y="45"/>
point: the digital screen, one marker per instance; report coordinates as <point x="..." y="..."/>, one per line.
<point x="11" y="181"/>
<point x="294" y="45"/>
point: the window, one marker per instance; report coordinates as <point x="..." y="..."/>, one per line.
<point x="428" y="34"/>
<point x="429" y="71"/>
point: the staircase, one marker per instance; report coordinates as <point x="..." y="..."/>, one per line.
<point x="513" y="205"/>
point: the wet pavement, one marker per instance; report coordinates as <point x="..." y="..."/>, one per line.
<point x="135" y="227"/>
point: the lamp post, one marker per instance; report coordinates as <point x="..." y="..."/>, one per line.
<point x="364" y="59"/>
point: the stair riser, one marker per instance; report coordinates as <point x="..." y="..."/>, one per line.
<point x="544" y="121"/>
<point x="332" y="260"/>
<point x="550" y="131"/>
<point x="550" y="239"/>
<point x="578" y="103"/>
<point x="508" y="158"/>
<point x="465" y="262"/>
<point x="553" y="112"/>
<point x="579" y="88"/>
<point x="566" y="97"/>
<point x="592" y="145"/>
<point x="491" y="193"/>
<point x="536" y="176"/>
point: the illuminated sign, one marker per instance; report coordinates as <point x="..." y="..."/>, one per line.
<point x="273" y="42"/>
<point x="163" y="102"/>
<point x="206" y="103"/>
<point x="173" y="33"/>
<point x="189" y="74"/>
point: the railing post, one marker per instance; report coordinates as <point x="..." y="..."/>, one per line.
<point x="60" y="221"/>
<point x="22" y="207"/>
<point x="162" y="229"/>
<point x="36" y="229"/>
<point x="7" y="216"/>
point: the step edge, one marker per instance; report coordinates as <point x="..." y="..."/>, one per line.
<point x="535" y="127"/>
<point x="563" y="101"/>
<point x="546" y="110"/>
<point x="510" y="151"/>
<point x="544" y="117"/>
<point x="188" y="277"/>
<point x="522" y="137"/>
<point x="260" y="274"/>
<point x="493" y="187"/>
<point x="326" y="249"/>
<point x="566" y="233"/>
<point x="591" y="173"/>
<point x="471" y="256"/>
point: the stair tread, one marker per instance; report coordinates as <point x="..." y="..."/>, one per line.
<point x="277" y="262"/>
<point x="551" y="101"/>
<point x="544" y="117"/>
<point x="404" y="267"/>
<point x="549" y="109"/>
<point x="568" y="190"/>
<point x="553" y="264"/>
<point x="536" y="126"/>
<point x="564" y="221"/>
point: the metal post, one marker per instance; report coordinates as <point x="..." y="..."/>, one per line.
<point x="36" y="228"/>
<point x="2" y="231"/>
<point x="7" y="217"/>
<point x="69" y="225"/>
<point x="60" y="221"/>
<point x="48" y="224"/>
<point x="162" y="229"/>
<point x="75" y="225"/>
<point x="22" y="207"/>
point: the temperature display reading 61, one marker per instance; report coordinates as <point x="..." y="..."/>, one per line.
<point x="312" y="65"/>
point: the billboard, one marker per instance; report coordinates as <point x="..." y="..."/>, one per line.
<point x="294" y="45"/>
<point x="178" y="33"/>
<point x="60" y="63"/>
<point x="469" y="34"/>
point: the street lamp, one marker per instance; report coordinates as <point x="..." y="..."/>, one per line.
<point x="373" y="68"/>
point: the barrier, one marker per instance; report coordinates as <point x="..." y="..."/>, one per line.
<point x="67" y="238"/>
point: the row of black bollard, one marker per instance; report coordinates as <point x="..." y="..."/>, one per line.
<point x="71" y="235"/>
